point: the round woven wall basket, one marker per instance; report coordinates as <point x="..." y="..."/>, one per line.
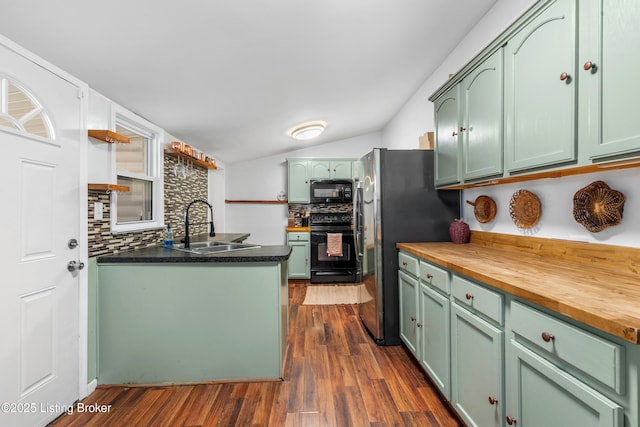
<point x="597" y="206"/>
<point x="525" y="209"/>
<point x="484" y="208"/>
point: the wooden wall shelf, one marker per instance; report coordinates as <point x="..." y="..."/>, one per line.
<point x="192" y="159"/>
<point x="263" y="202"/>
<point x="108" y="136"/>
<point x="556" y="173"/>
<point x="108" y="187"/>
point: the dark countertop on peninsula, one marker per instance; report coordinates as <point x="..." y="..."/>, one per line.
<point x="160" y="254"/>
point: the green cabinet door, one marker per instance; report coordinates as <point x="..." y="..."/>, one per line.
<point x="434" y="343"/>
<point x="540" y="90"/>
<point x="341" y="169"/>
<point x="447" y="147"/>
<point x="476" y="369"/>
<point x="299" y="261"/>
<point x="355" y="169"/>
<point x="320" y="169"/>
<point x="535" y="383"/>
<point x="609" y="35"/>
<point x="331" y="169"/>
<point x="482" y="120"/>
<point x="298" y="181"/>
<point x="408" y="288"/>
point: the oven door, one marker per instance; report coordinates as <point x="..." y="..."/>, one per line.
<point x="331" y="269"/>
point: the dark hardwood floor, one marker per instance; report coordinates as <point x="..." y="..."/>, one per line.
<point x="335" y="375"/>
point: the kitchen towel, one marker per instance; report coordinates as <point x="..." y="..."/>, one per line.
<point x="334" y="244"/>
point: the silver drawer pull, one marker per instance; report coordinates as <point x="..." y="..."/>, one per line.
<point x="547" y="337"/>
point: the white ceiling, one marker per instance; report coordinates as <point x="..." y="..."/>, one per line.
<point x="230" y="77"/>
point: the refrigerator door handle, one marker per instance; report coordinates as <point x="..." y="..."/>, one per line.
<point x="357" y="215"/>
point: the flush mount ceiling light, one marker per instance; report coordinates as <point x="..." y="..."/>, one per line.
<point x="308" y="130"/>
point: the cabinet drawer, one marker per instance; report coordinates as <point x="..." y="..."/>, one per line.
<point x="435" y="276"/>
<point x="591" y="354"/>
<point x="479" y="298"/>
<point x="298" y="237"/>
<point x="408" y="263"/>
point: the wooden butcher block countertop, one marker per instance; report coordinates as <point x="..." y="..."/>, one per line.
<point x="595" y="284"/>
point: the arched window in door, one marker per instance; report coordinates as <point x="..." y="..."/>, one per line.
<point x="20" y="110"/>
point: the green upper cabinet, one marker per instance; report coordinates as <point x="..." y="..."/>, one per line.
<point x="447" y="145"/>
<point x="302" y="170"/>
<point x="355" y="170"/>
<point x="556" y="90"/>
<point x="608" y="34"/>
<point x="298" y="180"/>
<point x="481" y="129"/>
<point x="331" y="169"/>
<point x="320" y="169"/>
<point x="540" y="90"/>
<point x="342" y="169"/>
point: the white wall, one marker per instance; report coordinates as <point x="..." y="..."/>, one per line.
<point x="556" y="195"/>
<point x="217" y="178"/>
<point x="263" y="179"/>
<point x="416" y="117"/>
<point x="556" y="199"/>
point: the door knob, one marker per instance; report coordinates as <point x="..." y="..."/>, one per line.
<point x="75" y="266"/>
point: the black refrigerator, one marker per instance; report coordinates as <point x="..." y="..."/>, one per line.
<point x="395" y="201"/>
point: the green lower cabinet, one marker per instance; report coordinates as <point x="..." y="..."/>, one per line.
<point x="408" y="294"/>
<point x="542" y="395"/>
<point x="299" y="261"/>
<point x="191" y="322"/>
<point x="434" y="343"/>
<point x="477" y="359"/>
<point x="502" y="361"/>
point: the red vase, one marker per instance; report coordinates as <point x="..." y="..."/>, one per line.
<point x="459" y="231"/>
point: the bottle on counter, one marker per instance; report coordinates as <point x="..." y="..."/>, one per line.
<point x="168" y="240"/>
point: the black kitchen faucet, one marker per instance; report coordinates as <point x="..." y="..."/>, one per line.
<point x="187" y="243"/>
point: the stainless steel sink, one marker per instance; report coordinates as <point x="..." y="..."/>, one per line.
<point x="204" y="248"/>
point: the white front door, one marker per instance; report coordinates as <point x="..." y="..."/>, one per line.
<point x="39" y="296"/>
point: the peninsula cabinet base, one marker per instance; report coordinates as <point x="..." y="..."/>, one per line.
<point x="170" y="323"/>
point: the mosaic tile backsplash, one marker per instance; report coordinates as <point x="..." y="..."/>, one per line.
<point x="178" y="192"/>
<point x="298" y="210"/>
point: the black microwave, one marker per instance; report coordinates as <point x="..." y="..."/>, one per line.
<point x="331" y="191"/>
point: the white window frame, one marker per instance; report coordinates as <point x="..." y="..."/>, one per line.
<point x="155" y="172"/>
